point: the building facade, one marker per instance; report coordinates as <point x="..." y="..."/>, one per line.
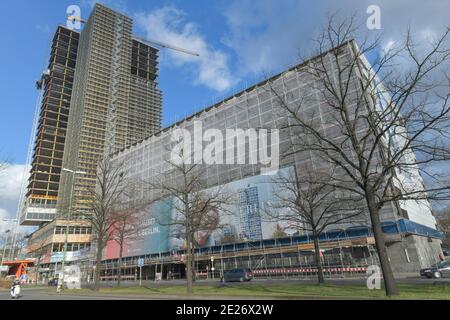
<point x="43" y="183"/>
<point x="114" y="101"/>
<point x="413" y="242"/>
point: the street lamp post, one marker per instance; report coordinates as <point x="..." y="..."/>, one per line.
<point x="212" y="266"/>
<point x="66" y="233"/>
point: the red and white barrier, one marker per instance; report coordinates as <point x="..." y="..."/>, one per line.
<point x="308" y="270"/>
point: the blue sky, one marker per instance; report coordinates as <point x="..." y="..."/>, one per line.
<point x="31" y="24"/>
<point x="25" y="53"/>
<point x="238" y="41"/>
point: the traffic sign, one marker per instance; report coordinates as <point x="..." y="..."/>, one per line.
<point x="140" y="262"/>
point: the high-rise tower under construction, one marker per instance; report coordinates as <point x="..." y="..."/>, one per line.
<point x="99" y="96"/>
<point x="42" y="191"/>
<point x="115" y="101"/>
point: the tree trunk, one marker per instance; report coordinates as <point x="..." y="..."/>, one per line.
<point x="37" y="270"/>
<point x="320" y="278"/>
<point x="189" y="269"/>
<point x="388" y="276"/>
<point x="98" y="262"/>
<point x="119" y="266"/>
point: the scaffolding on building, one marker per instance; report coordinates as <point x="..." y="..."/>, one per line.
<point x="345" y="253"/>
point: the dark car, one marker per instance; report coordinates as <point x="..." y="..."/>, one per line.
<point x="53" y="282"/>
<point x="238" y="275"/>
<point x="438" y="270"/>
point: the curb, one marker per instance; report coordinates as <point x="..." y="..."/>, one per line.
<point x="171" y="297"/>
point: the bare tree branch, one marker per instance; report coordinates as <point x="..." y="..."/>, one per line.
<point x="380" y="127"/>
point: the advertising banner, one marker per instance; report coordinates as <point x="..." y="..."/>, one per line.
<point x="244" y="220"/>
<point x="153" y="238"/>
<point x="70" y="255"/>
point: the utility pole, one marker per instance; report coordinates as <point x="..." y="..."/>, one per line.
<point x="61" y="274"/>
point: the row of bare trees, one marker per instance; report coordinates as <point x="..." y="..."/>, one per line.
<point x="376" y="124"/>
<point x="303" y="202"/>
<point x="443" y="222"/>
<point x="387" y="121"/>
<point x="197" y="210"/>
<point x="113" y="219"/>
<point x="3" y="165"/>
<point x="4" y="162"/>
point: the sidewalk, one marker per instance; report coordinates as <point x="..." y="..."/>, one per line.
<point x="158" y="296"/>
<point x="28" y="287"/>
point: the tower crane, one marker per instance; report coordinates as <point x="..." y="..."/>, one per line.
<point x="165" y="45"/>
<point x="148" y="41"/>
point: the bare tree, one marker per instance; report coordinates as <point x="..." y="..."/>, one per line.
<point x="127" y="226"/>
<point x="105" y="199"/>
<point x="20" y="245"/>
<point x="443" y="222"/>
<point x="4" y="163"/>
<point x="278" y="232"/>
<point x="231" y="238"/>
<point x="381" y="126"/>
<point x="197" y="210"/>
<point x="310" y="205"/>
<point x="5" y="237"/>
<point x="38" y="249"/>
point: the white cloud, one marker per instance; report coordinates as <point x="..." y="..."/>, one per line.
<point x="266" y="35"/>
<point x="388" y="46"/>
<point x="169" y="25"/>
<point x="10" y="186"/>
<point x="269" y="35"/>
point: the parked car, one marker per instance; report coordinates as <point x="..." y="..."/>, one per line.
<point x="238" y="275"/>
<point x="53" y="282"/>
<point x="438" y="270"/>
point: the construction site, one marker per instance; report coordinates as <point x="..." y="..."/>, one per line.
<point x="344" y="253"/>
<point x="55" y="91"/>
<point x="100" y="96"/>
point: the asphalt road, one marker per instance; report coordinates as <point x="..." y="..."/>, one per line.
<point x="276" y="281"/>
<point x="47" y="293"/>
